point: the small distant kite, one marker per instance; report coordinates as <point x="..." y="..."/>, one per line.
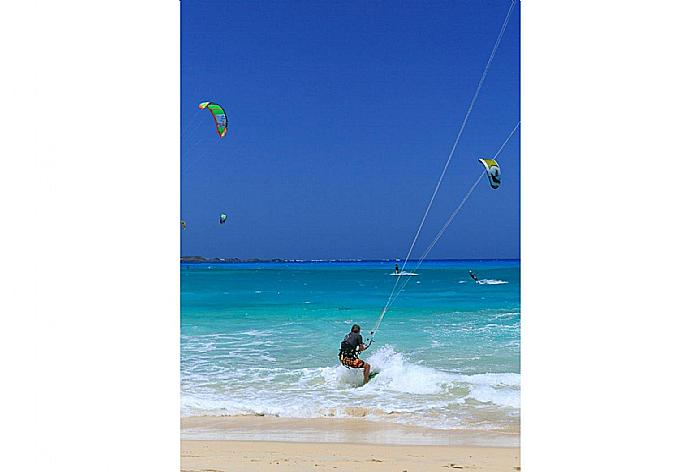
<point x="219" y="116"/>
<point x="222" y="218"/>
<point x="183" y="224"/>
<point x="493" y="172"/>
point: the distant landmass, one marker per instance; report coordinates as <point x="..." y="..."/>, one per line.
<point x="189" y="259"/>
<point x="231" y="260"/>
<point x="237" y="260"/>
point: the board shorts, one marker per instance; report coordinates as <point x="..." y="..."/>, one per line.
<point x="352" y="362"/>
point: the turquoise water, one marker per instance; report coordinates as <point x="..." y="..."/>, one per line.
<point x="264" y="338"/>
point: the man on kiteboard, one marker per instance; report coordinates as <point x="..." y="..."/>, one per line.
<point x="350" y="348"/>
<point x="474" y="277"/>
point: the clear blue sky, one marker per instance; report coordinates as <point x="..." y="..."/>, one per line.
<point x="342" y="115"/>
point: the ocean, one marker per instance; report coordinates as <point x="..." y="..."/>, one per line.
<point x="263" y="339"/>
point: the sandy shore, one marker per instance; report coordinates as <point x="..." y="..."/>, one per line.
<point x="232" y="456"/>
<point x="214" y="444"/>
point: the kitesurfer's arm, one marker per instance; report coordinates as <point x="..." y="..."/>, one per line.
<point x="360" y="341"/>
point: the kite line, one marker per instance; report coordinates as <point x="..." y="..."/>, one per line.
<point x="391" y="297"/>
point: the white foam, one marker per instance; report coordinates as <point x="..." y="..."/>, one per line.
<point x="491" y="282"/>
<point x="398" y="375"/>
<point x="256" y="332"/>
<point x="502" y="379"/>
<point x="500" y="397"/>
<point x="403" y="391"/>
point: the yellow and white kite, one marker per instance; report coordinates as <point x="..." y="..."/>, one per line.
<point x="493" y="172"/>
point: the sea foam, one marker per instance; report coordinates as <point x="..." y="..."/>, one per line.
<point x="399" y="389"/>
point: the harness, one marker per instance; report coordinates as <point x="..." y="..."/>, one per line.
<point x="348" y="351"/>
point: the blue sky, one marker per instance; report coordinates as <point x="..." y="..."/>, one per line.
<point x="342" y="115"/>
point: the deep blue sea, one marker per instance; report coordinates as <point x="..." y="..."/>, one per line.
<point x="263" y="339"/>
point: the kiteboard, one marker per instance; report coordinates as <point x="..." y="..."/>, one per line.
<point x="403" y="273"/>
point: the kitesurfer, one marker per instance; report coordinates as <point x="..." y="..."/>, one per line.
<point x="474" y="277"/>
<point x="397" y="270"/>
<point x="350" y="348"/>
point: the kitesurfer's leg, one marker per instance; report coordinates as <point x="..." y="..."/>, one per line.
<point x="367" y="367"/>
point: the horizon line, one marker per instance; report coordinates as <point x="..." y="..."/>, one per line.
<point x="202" y="259"/>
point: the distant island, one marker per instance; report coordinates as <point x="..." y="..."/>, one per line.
<point x="200" y="259"/>
<point x="237" y="260"/>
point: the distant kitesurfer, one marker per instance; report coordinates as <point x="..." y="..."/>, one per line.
<point x="474" y="277"/>
<point x="350" y="349"/>
<point x="397" y="270"/>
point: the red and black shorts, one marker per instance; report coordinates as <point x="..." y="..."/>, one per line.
<point x="351" y="362"/>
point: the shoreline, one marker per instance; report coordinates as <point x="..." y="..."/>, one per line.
<point x="338" y="431"/>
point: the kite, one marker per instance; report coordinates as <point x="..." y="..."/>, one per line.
<point x="183" y="224"/>
<point x="219" y="116"/>
<point x="493" y="172"/>
<point x="223" y="217"/>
